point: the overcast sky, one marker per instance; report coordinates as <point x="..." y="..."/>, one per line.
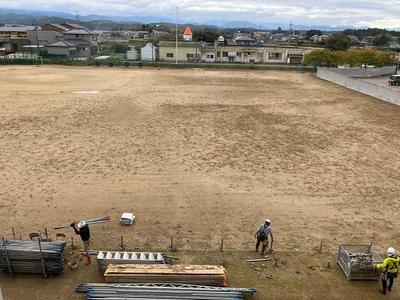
<point x="373" y="13"/>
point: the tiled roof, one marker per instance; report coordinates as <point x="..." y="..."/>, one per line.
<point x="61" y="44"/>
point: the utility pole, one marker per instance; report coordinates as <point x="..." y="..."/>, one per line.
<point x="196" y="48"/>
<point x="290" y="31"/>
<point x="37" y="42"/>
<point x="176" y="34"/>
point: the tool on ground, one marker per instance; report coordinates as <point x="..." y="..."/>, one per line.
<point x="89" y="222"/>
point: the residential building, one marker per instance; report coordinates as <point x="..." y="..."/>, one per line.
<point x="13" y="38"/>
<point x="244" y="41"/>
<point x="62" y="48"/>
<point x="187" y="51"/>
<point x="230" y="53"/>
<point x="86" y="41"/>
<point x="149" y="52"/>
<point x="44" y="37"/>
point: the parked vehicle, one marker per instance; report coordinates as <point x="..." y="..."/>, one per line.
<point x="394" y="80"/>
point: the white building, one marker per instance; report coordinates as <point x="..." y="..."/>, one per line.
<point x="132" y="54"/>
<point x="149" y="52"/>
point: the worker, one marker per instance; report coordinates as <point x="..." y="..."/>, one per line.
<point x="82" y="229"/>
<point x="390" y="268"/>
<point x="262" y="236"/>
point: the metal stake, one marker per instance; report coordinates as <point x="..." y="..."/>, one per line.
<point x="42" y="259"/>
<point x="8" y="260"/>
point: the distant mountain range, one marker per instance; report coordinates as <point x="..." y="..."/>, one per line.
<point x="28" y="17"/>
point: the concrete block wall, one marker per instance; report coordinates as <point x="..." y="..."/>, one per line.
<point x="380" y="92"/>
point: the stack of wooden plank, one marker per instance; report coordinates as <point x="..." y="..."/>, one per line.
<point x="189" y="274"/>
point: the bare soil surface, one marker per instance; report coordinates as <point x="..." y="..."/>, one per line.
<point x="200" y="155"/>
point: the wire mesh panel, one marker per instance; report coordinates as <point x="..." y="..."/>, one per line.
<point x="358" y="261"/>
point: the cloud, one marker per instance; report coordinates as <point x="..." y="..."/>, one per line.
<point x="381" y="13"/>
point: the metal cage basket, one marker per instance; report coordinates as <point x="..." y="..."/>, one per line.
<point x="358" y="261"/>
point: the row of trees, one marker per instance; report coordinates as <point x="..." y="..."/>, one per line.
<point x="350" y="58"/>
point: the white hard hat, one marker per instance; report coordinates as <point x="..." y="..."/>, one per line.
<point x="81" y="224"/>
<point x="391" y="251"/>
<point x="268" y="221"/>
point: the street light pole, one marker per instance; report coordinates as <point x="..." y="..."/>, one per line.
<point x="176" y="35"/>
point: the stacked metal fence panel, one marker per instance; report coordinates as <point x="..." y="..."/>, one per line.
<point x="32" y="257"/>
<point x="160" y="291"/>
<point x="106" y="258"/>
<point x="189" y="274"/>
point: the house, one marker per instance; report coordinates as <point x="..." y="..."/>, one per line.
<point x="187" y="34"/>
<point x="13" y="38"/>
<point x="187" y="51"/>
<point x="149" y="52"/>
<point x="244" y="40"/>
<point x="62" y="48"/>
<point x="44" y="37"/>
<point x="5" y="45"/>
<point x="85" y="41"/>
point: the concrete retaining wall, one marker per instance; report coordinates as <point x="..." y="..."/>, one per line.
<point x="370" y="89"/>
<point x="364" y="73"/>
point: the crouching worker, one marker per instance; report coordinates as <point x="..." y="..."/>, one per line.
<point x="83" y="230"/>
<point x="262" y="236"/>
<point x="390" y="268"/>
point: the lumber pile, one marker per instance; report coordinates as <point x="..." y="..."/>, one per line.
<point x="32" y="257"/>
<point x="189" y="274"/>
<point x="160" y="291"/>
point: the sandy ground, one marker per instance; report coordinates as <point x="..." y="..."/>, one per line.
<point x="199" y="155"/>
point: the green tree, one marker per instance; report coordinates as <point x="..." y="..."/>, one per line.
<point x="338" y="41"/>
<point x="322" y="58"/>
<point x="206" y="35"/>
<point x="382" y="40"/>
<point x="312" y="32"/>
<point x="350" y="58"/>
<point x="120" y="48"/>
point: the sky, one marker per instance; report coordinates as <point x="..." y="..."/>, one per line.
<point x="372" y="13"/>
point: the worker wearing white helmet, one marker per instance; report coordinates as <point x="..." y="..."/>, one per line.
<point x="262" y="236"/>
<point x="390" y="269"/>
<point x="82" y="229"/>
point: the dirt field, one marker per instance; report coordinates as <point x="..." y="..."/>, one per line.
<point x="199" y="155"/>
